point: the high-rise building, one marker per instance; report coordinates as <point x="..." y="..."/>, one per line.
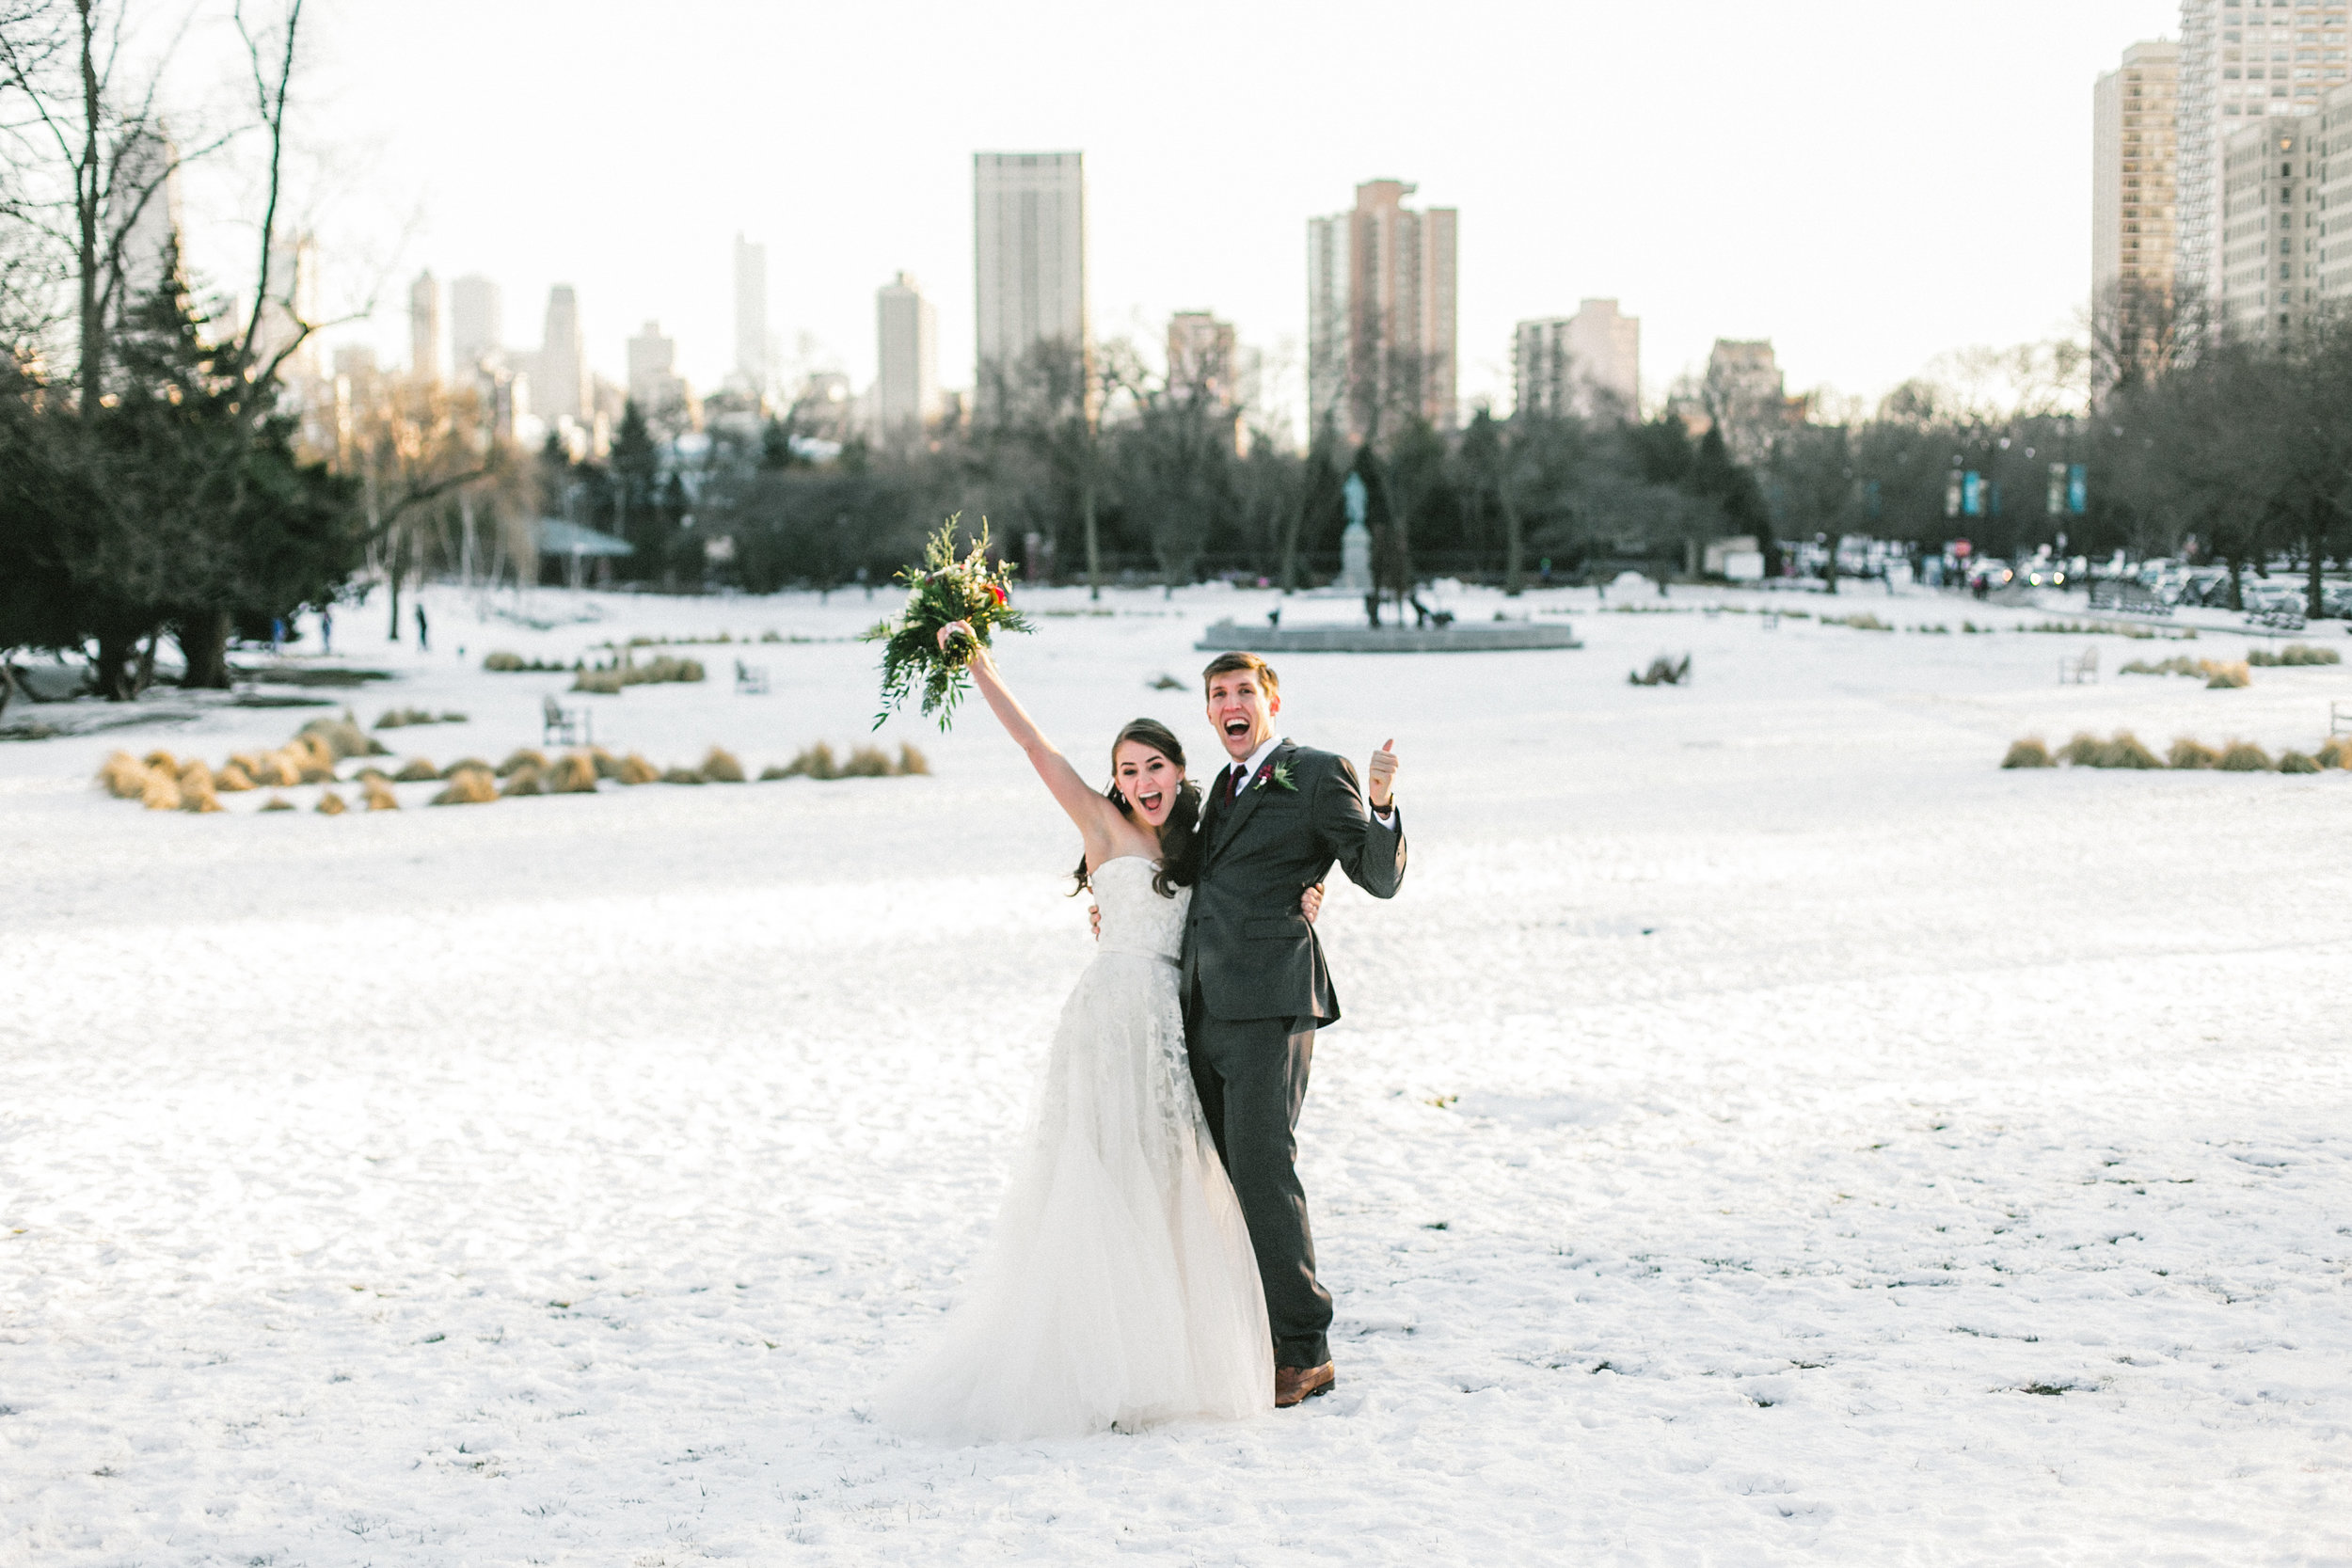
<point x="654" y="385"/>
<point x="2334" y="249"/>
<point x="558" y="372"/>
<point x="1588" y="364"/>
<point x="424" y="329"/>
<point x="477" y="327"/>
<point x="148" y="175"/>
<point x="1029" y="258"/>
<point x="1200" y="359"/>
<point x="2270" y="229"/>
<point x="2134" y="167"/>
<point x="754" y="364"/>
<point x="1380" y="314"/>
<point x="1746" y="395"/>
<point x="906" y="379"/>
<point x="2241" y="61"/>
<point x="291" y="312"/>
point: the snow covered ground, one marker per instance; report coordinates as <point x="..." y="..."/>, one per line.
<point x="1762" y="1131"/>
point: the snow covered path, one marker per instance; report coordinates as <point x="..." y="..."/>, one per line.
<point x="1762" y="1131"/>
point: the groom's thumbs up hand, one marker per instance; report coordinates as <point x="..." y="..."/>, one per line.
<point x="1383" y="775"/>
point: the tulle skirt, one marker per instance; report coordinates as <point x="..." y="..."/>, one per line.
<point x="1119" y="1287"/>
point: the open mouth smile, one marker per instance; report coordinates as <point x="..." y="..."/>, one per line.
<point x="1150" y="801"/>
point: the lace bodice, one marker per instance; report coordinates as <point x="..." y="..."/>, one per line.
<point x="1136" y="919"/>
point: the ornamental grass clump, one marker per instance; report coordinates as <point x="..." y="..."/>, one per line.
<point x="682" y="776"/>
<point x="912" y="761"/>
<point x="520" y="758"/>
<point x="2244" y="756"/>
<point x="2335" y="752"/>
<point x="815" y="762"/>
<point x="945" y="589"/>
<point x="233" y="779"/>
<point x="2083" y="750"/>
<point x="196" y="787"/>
<point x="278" y="802"/>
<point x="469" y="786"/>
<point x="867" y="762"/>
<point x="417" y="772"/>
<point x="2179" y="664"/>
<point x="524" y="781"/>
<point x="2028" y="752"/>
<point x="330" y="804"/>
<point x="635" y="769"/>
<point x="379" y="795"/>
<point x="2294" y="653"/>
<point x="124" y="776"/>
<point x="465" y="764"/>
<point x="604" y="763"/>
<point x="162" y="790"/>
<point x="2188" y="754"/>
<point x="574" y="773"/>
<point x="721" y="766"/>
<point x="1662" y="672"/>
<point x="2218" y="675"/>
<point x="2125" y="750"/>
<point x="342" y="738"/>
<point x="2297" y="762"/>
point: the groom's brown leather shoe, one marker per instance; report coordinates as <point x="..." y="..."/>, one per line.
<point x="1293" y="1383"/>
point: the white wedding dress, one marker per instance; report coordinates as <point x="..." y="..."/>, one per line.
<point x="1119" y="1288"/>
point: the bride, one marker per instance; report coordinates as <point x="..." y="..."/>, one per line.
<point x="1119" y="1287"/>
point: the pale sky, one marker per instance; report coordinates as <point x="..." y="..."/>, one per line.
<point x="1867" y="184"/>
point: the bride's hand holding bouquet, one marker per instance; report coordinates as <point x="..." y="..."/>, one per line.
<point x="964" y="595"/>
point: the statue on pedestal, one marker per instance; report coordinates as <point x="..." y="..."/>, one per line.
<point x="1356" y="543"/>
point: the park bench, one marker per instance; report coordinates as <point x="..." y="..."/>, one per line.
<point x="2339" y="719"/>
<point x="572" y="726"/>
<point x="751" y="680"/>
<point x="2083" y="670"/>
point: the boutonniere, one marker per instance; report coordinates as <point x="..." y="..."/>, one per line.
<point x="1278" y="775"/>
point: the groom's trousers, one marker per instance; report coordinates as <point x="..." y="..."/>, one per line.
<point x="1251" y="1075"/>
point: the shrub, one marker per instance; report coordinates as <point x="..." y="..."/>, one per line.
<point x="520" y="758"/>
<point x="469" y="786"/>
<point x="683" y="776"/>
<point x="575" y="774"/>
<point x="330" y="804"/>
<point x="867" y="762"/>
<point x="342" y="738"/>
<point x="278" y="802"/>
<point x="503" y="662"/>
<point x="720" y="767"/>
<point x="606" y="683"/>
<point x="524" y="781"/>
<point x="815" y="762"/>
<point x="467" y="765"/>
<point x="2294" y="653"/>
<point x="2295" y="762"/>
<point x="2029" y="752"/>
<point x="161" y="791"/>
<point x="417" y="772"/>
<point x="635" y="769"/>
<point x="912" y="761"/>
<point x="124" y="776"/>
<point x="2244" y="756"/>
<point x="379" y="795"/>
<point x="2084" y="750"/>
<point x="2125" y="750"/>
<point x="232" y="779"/>
<point x="2190" y="753"/>
<point x="2219" y="674"/>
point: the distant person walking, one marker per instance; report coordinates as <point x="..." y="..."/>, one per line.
<point x="327" y="629"/>
<point x="423" y="637"/>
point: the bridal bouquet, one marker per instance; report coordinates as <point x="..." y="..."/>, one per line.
<point x="944" y="590"/>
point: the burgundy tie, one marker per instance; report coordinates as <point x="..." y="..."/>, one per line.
<point x="1239" y="771"/>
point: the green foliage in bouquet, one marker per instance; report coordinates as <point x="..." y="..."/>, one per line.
<point x="941" y="592"/>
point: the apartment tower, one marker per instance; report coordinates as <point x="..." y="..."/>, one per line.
<point x="424" y="329"/>
<point x="2270" y="213"/>
<point x="1588" y="364"/>
<point x="2134" y="167"/>
<point x="752" y="366"/>
<point x="1029" y="257"/>
<point x="477" y="324"/>
<point x="906" y="378"/>
<point x="2242" y="62"/>
<point x="1380" y="314"/>
<point x="559" y="372"/>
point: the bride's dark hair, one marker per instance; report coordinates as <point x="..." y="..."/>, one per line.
<point x="1180" y="837"/>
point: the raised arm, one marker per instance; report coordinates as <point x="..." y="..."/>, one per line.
<point x="1371" y="856"/>
<point x="1090" y="810"/>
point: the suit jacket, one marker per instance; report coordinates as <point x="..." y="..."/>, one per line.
<point x="1246" y="947"/>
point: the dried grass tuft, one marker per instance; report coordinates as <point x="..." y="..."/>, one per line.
<point x="774" y="772"/>
<point x="721" y="766"/>
<point x="912" y="761"/>
<point x="379" y="795"/>
<point x="683" y="776"/>
<point x="417" y="772"/>
<point x="2083" y="750"/>
<point x="574" y="774"/>
<point x="2335" y="752"/>
<point x="124" y="776"/>
<point x="232" y="779"/>
<point x="2297" y="762"/>
<point x="342" y="737"/>
<point x="2244" y="756"/>
<point x="164" y="760"/>
<point x="2296" y="653"/>
<point x="2219" y="674"/>
<point x="465" y="764"/>
<point x="278" y="802"/>
<point x="330" y="804"/>
<point x="815" y="762"/>
<point x="2125" y="750"/>
<point x="503" y="662"/>
<point x="607" y="765"/>
<point x="470" y="786"/>
<point x="635" y="769"/>
<point x="2190" y="753"/>
<point x="867" y="762"/>
<point x="520" y="758"/>
<point x="162" y="791"/>
<point x="524" y="781"/>
<point x="2028" y="752"/>
<point x="195" y="791"/>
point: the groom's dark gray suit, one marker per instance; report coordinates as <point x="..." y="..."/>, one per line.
<point x="1255" y="991"/>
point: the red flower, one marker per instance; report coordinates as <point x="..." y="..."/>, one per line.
<point x="998" y="590"/>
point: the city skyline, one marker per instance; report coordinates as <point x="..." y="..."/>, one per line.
<point x="1860" y="293"/>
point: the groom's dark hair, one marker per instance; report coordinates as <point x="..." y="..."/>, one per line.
<point x="1225" y="664"/>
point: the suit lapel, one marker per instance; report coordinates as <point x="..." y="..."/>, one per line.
<point x="1229" y="822"/>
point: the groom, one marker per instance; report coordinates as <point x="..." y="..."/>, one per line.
<point x="1255" y="989"/>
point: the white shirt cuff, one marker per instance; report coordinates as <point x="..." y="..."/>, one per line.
<point x="1386" y="818"/>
